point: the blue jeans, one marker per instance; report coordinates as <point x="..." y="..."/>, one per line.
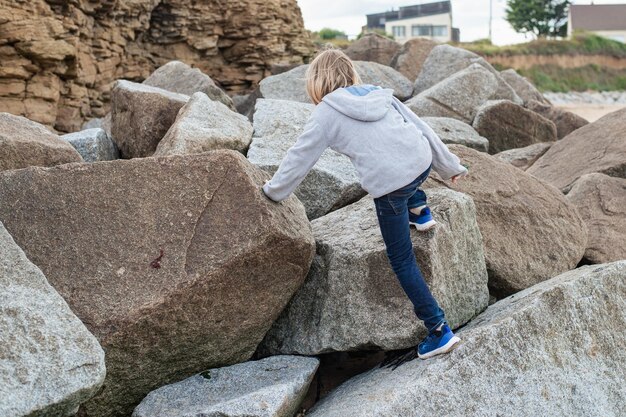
<point x="393" y="217"/>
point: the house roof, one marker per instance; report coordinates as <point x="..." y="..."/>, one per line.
<point x="598" y="16"/>
<point x="408" y="12"/>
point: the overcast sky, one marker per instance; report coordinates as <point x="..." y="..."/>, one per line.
<point x="471" y="16"/>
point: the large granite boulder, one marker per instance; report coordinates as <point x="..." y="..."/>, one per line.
<point x="411" y="56"/>
<point x="176" y="264"/>
<point x="552" y="350"/>
<point x="374" y="48"/>
<point x="524" y="157"/>
<point x="270" y="387"/>
<point x="205" y="125"/>
<point x="523" y="88"/>
<point x="446" y="60"/>
<point x="331" y="184"/>
<point x="291" y="85"/>
<point x="566" y="121"/>
<point x="508" y="126"/>
<point x="458" y="96"/>
<point x="596" y="147"/>
<point x="531" y="232"/>
<point x="93" y="145"/>
<point x="352" y="300"/>
<point x="50" y="362"/>
<point x="140" y="117"/>
<point x="178" y="77"/>
<point x="24" y="143"/>
<point x="455" y="131"/>
<point x="601" y="202"/>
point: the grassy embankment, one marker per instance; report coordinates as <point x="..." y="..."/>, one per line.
<point x="556" y="78"/>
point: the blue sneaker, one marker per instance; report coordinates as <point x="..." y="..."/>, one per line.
<point x="423" y="221"/>
<point x="438" y="342"/>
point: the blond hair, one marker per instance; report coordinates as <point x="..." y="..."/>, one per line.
<point x="331" y="69"/>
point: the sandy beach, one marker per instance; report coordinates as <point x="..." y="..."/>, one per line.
<point x="591" y="112"/>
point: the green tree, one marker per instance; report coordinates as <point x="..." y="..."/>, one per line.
<point x="544" y="18"/>
<point x="328" y="34"/>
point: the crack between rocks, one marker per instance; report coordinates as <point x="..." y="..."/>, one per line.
<point x="204" y="209"/>
<point x="446" y="107"/>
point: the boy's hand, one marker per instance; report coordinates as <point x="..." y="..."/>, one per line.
<point x="461" y="175"/>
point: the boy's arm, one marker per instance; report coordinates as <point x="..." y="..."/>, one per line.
<point x="445" y="163"/>
<point x="297" y="162"/>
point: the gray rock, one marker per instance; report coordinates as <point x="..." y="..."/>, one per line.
<point x="178" y="77"/>
<point x="331" y="184"/>
<point x="93" y="145"/>
<point x="454" y="131"/>
<point x="411" y="56"/>
<point x="458" y="96"/>
<point x="291" y="85"/>
<point x="24" y="143"/>
<point x="524" y="157"/>
<point x="270" y="387"/>
<point x="140" y="117"/>
<point x="508" y="126"/>
<point x="566" y="122"/>
<point x="50" y="362"/>
<point x="445" y="60"/>
<point x="522" y="87"/>
<point x="373" y="47"/>
<point x="601" y="202"/>
<point x="92" y="124"/>
<point x="384" y="76"/>
<point x="552" y="350"/>
<point x="205" y="125"/>
<point x="352" y="300"/>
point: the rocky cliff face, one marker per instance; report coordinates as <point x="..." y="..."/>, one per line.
<point x="59" y="58"/>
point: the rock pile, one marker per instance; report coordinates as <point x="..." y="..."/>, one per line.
<point x="182" y="271"/>
<point x="514" y="361"/>
<point x="291" y="85"/>
<point x="175" y="264"/>
<point x="596" y="147"/>
<point x="530" y="231"/>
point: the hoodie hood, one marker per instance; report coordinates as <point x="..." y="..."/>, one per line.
<point x="370" y="107"/>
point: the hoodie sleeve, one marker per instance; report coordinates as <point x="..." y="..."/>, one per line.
<point x="445" y="163"/>
<point x="298" y="161"/>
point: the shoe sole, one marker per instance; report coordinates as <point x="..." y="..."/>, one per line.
<point x="448" y="347"/>
<point x="424" y="227"/>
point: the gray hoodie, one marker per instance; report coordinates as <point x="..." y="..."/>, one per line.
<point x="387" y="143"/>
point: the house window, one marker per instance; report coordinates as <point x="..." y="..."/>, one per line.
<point x="440" y="31"/>
<point x="382" y="21"/>
<point x="398" y="31"/>
<point x="428" y="30"/>
<point x="421" y="30"/>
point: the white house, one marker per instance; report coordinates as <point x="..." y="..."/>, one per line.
<point x="431" y="20"/>
<point x="608" y="20"/>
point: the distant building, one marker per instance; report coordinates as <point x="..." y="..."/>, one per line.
<point x="608" y="20"/>
<point x="431" y="20"/>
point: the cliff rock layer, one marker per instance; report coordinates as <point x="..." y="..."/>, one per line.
<point x="59" y="58"/>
